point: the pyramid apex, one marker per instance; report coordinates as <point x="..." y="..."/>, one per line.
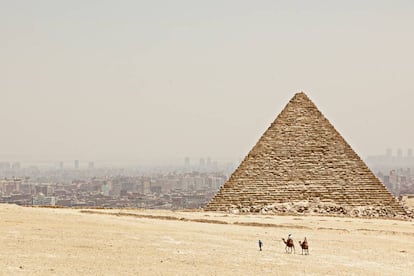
<point x="301" y="94"/>
<point x="301" y="97"/>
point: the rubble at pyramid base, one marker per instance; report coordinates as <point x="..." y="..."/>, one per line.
<point x="320" y="208"/>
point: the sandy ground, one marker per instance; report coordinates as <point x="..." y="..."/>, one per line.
<point x="42" y="241"/>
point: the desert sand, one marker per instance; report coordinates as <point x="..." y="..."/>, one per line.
<point x="47" y="241"/>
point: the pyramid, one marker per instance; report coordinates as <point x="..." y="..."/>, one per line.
<point x="302" y="158"/>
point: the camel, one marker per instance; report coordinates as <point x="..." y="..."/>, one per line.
<point x="305" y="246"/>
<point x="289" y="245"/>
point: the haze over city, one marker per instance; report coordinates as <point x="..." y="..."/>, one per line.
<point x="139" y="137"/>
<point x="154" y="82"/>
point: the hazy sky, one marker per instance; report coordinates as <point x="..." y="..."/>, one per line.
<point x="155" y="81"/>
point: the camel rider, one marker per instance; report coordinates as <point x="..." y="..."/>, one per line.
<point x="290" y="237"/>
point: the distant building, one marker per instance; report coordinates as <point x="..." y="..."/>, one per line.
<point x="41" y="199"/>
<point x="10" y="186"/>
<point x="187" y="162"/>
<point x="389" y="162"/>
<point x="147" y="187"/>
<point x="16" y="166"/>
<point x="76" y="163"/>
<point x="202" y="162"/>
<point x="115" y="189"/>
<point x="105" y="188"/>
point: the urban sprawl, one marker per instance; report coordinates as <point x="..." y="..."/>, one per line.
<point x="155" y="187"/>
<point x="186" y="186"/>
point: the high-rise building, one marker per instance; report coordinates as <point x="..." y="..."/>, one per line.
<point x="187" y="162"/>
<point x="147" y="187"/>
<point x="76" y="164"/>
<point x="106" y="187"/>
<point x="16" y="166"/>
<point x="91" y="165"/>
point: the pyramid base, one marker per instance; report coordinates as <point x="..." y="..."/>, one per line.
<point x="316" y="208"/>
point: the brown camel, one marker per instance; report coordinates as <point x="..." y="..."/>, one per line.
<point x="305" y="246"/>
<point x="289" y="245"/>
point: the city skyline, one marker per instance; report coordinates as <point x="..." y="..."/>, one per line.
<point x="151" y="83"/>
<point x="391" y="158"/>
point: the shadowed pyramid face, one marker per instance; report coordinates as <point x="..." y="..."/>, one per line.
<point x="302" y="158"/>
